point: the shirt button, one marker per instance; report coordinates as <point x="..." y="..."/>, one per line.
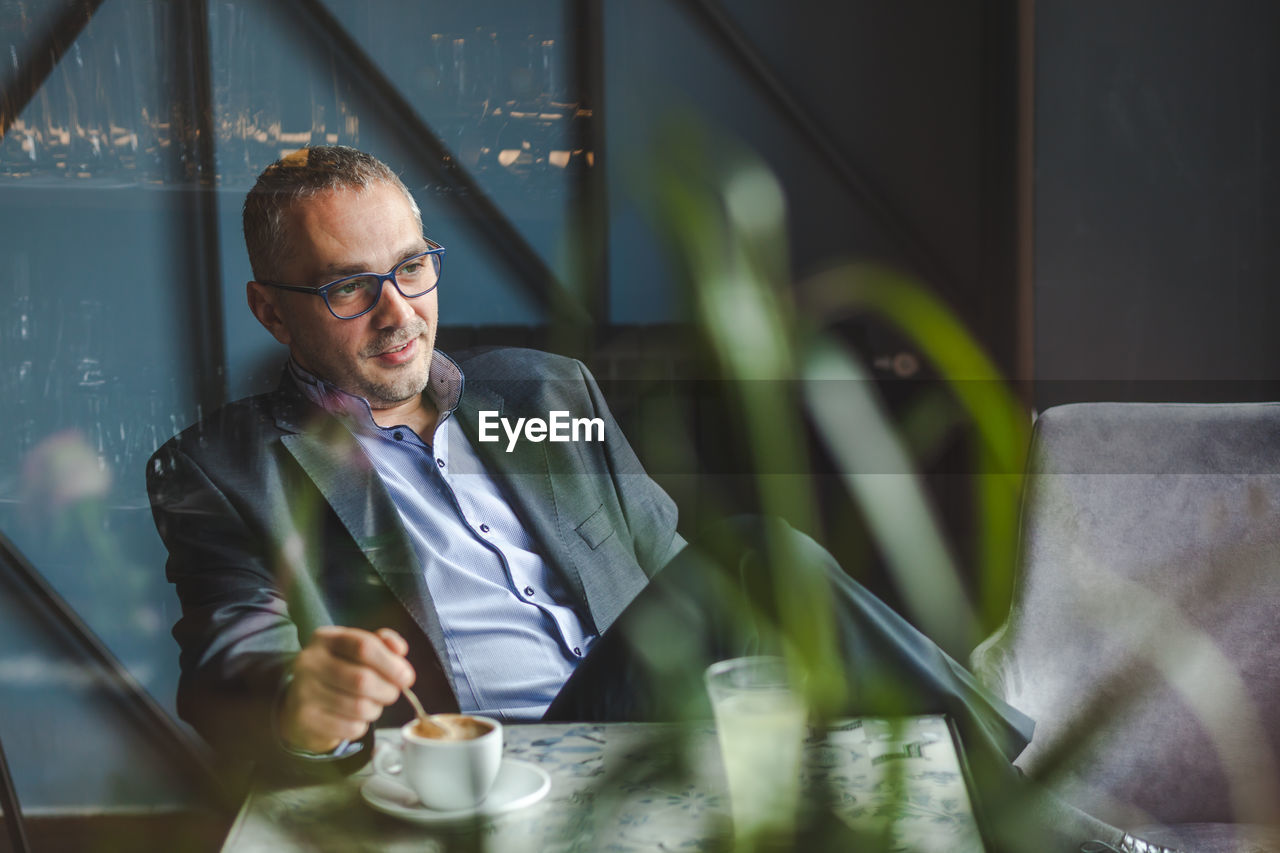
<point x="577" y="651"/>
<point x="484" y="528"/>
<point x="399" y="435"/>
<point x="528" y="590"/>
<point x="440" y="462"/>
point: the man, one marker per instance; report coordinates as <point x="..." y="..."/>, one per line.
<point x="297" y="511"/>
<point x="352" y="534"/>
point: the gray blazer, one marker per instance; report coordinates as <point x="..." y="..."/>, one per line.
<point x="276" y="523"/>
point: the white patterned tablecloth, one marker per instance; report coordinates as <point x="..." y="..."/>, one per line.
<point x="628" y="787"/>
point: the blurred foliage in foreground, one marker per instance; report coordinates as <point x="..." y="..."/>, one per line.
<point x="791" y="376"/>
<point x="787" y="378"/>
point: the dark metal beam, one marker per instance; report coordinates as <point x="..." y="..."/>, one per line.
<point x="589" y="216"/>
<point x="154" y="719"/>
<point x="12" y="811"/>
<point x="194" y="165"/>
<point x="714" y="20"/>
<point x="1025" y="210"/>
<point x="40" y="56"/>
<point x="997" y="320"/>
<point x="516" y="253"/>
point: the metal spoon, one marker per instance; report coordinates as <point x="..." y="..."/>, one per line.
<point x="431" y="727"/>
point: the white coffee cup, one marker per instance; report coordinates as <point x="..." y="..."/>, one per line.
<point x="446" y="774"/>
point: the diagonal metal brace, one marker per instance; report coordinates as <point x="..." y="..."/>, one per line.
<point x="713" y="18"/>
<point x="155" y="718"/>
<point x="11" y="810"/>
<point x="42" y="56"/>
<point x="516" y="252"/>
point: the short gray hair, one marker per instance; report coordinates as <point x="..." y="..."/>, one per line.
<point x="305" y="173"/>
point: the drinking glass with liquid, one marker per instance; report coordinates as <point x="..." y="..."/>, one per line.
<point x="760" y="721"/>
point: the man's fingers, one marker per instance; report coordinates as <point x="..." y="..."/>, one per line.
<point x="342" y="680"/>
<point x="342" y="676"/>
<point x="339" y="703"/>
<point x="317" y="718"/>
<point x="367" y="649"/>
<point x="394" y="641"/>
<point x="400" y="647"/>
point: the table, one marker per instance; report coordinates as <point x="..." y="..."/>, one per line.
<point x="640" y="787"/>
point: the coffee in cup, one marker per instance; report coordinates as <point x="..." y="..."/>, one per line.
<point x="452" y="727"/>
<point x="450" y="772"/>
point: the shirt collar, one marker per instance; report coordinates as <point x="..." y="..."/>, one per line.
<point x="444" y="388"/>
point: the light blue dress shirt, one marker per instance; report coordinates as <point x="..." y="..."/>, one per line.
<point x="511" y="633"/>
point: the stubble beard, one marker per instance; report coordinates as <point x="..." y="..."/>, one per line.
<point x="383" y="395"/>
<point x="404" y="383"/>
<point x="407" y="381"/>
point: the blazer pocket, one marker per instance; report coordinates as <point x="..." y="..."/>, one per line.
<point x="596" y="529"/>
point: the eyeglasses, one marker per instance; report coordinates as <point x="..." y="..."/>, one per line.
<point x="355" y="295"/>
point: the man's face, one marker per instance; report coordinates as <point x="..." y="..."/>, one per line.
<point x="384" y="355"/>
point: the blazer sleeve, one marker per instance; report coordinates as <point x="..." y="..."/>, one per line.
<point x="236" y="635"/>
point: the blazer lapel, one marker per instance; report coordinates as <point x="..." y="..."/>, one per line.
<point x="525" y="478"/>
<point x="332" y="458"/>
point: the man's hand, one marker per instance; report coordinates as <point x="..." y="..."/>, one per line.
<point x="342" y="680"/>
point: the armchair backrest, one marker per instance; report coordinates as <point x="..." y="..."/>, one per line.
<point x="1144" y="636"/>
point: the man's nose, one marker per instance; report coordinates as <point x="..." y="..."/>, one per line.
<point x="392" y="310"/>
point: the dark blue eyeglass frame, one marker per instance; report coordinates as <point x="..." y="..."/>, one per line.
<point x="436" y="251"/>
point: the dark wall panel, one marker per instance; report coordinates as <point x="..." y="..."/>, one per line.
<point x="1157" y="199"/>
<point x="900" y="90"/>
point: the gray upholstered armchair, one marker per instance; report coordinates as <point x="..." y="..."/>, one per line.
<point x="1144" y="636"/>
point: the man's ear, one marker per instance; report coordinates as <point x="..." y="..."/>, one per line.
<point x="262" y="302"/>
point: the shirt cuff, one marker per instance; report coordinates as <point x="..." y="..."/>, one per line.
<point x="342" y="750"/>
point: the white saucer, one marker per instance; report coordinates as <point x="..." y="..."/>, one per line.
<point x="519" y="784"/>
